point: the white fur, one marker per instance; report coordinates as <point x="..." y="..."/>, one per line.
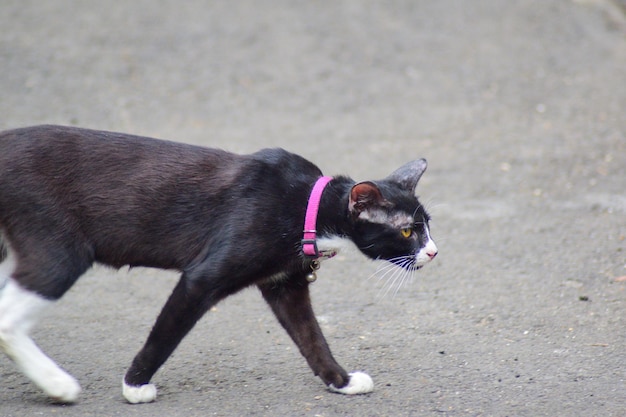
<point x="360" y="383"/>
<point x="142" y="394"/>
<point x="336" y="243"/>
<point x="427" y="253"/>
<point x="19" y="310"/>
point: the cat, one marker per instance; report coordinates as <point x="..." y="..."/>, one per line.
<point x="72" y="197"/>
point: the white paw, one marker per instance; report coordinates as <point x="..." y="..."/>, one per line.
<point x="360" y="383"/>
<point x="62" y="388"/>
<point x="142" y="394"/>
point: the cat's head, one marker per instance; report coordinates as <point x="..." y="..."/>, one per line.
<point x="388" y="220"/>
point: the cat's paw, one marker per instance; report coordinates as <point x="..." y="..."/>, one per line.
<point x="360" y="383"/>
<point x="63" y="389"/>
<point x="139" y="394"/>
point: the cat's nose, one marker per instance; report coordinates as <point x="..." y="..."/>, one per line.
<point x="432" y="254"/>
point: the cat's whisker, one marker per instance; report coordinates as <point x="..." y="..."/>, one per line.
<point x="397" y="282"/>
<point x="432" y="206"/>
<point x="383" y="290"/>
<point x="385" y="271"/>
<point x="397" y="276"/>
<point x="388" y="264"/>
<point x="383" y="267"/>
<point x="408" y="277"/>
<point x="385" y="278"/>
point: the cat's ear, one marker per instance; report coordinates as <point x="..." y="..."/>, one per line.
<point x="409" y="174"/>
<point x="365" y="195"/>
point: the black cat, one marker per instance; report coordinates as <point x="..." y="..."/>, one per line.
<point x="70" y="197"/>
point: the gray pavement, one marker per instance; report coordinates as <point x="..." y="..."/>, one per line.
<point x="519" y="108"/>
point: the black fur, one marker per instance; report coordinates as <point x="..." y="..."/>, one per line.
<point x="70" y="197"/>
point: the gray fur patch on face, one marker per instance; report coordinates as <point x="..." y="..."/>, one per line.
<point x="396" y="220"/>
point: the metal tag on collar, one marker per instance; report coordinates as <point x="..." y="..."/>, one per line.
<point x="316" y="262"/>
<point x="312" y="276"/>
<point x="327" y="254"/>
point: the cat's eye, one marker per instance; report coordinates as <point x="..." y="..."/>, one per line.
<point x="406" y="232"/>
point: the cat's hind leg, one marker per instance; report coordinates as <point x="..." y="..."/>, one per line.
<point x="19" y="310"/>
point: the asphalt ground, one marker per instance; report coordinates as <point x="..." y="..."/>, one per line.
<point x="519" y="109"/>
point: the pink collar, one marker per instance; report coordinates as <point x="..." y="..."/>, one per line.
<point x="309" y="244"/>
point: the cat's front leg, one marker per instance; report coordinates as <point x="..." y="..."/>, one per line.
<point x="291" y="303"/>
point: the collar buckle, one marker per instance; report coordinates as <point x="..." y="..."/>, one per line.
<point x="311" y="250"/>
<point x="309" y="247"/>
<point x="309" y="243"/>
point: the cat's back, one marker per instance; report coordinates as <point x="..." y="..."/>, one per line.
<point x="70" y="164"/>
<point x="51" y="152"/>
<point x="70" y="160"/>
<point x="65" y="144"/>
